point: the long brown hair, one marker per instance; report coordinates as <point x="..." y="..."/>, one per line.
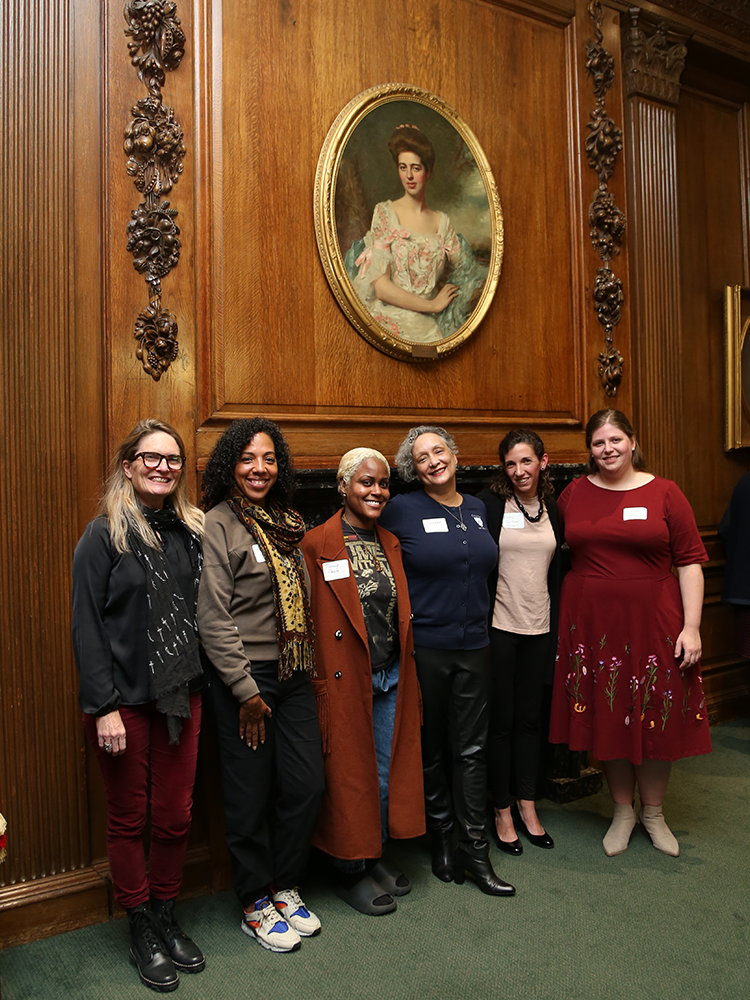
<point x="618" y="419"/>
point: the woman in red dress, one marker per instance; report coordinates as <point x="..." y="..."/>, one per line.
<point x="627" y="678"/>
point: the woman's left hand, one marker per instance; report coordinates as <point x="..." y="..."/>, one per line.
<point x="689" y="647"/>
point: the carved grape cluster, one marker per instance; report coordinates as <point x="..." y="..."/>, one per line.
<point x="607" y="224"/>
<point x="158" y="40"/>
<point x="153" y="240"/>
<point x="601" y="65"/>
<point x="603" y="144"/>
<point x="154" y="147"/>
<point x="156" y="333"/>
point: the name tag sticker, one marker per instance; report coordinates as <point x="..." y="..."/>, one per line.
<point x="513" y="520"/>
<point x="478" y="519"/>
<point x="432" y="524"/>
<point x="635" y="513"/>
<point x="258" y="553"/>
<point x="336" y="570"/>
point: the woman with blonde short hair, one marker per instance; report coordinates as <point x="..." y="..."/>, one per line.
<point x="367" y="690"/>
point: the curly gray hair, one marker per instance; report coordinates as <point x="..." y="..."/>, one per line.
<point x="405" y="457"/>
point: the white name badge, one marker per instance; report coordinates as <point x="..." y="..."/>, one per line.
<point x="513" y="520"/>
<point x="432" y="524"/>
<point x="336" y="570"/>
<point x="258" y="553"/>
<point x="635" y="514"/>
<point x="478" y="519"/>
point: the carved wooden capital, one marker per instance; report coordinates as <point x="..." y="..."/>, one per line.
<point x="652" y="59"/>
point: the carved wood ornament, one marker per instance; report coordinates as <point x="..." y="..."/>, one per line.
<point x="155" y="150"/>
<point x="606" y="220"/>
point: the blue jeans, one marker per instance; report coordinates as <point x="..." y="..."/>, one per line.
<point x="384" y="693"/>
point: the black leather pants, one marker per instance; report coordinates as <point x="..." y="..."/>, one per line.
<point x="456" y="688"/>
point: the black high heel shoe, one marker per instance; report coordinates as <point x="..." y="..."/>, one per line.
<point x="481" y="872"/>
<point x="512" y="847"/>
<point x="442" y="859"/>
<point x="537" y="839"/>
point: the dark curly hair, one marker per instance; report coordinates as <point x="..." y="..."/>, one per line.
<point x="501" y="484"/>
<point x="218" y="476"/>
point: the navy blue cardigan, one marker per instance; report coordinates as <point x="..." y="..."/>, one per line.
<point x="446" y="570"/>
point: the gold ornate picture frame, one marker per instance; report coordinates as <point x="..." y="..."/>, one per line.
<point x="737" y="366"/>
<point x="359" y="231"/>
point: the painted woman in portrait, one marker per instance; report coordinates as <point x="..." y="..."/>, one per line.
<point x="416" y="276"/>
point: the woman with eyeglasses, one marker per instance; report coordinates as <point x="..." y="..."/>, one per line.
<point x="135" y="588"/>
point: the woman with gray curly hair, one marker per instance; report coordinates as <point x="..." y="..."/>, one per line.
<point x="366" y="688"/>
<point x="448" y="553"/>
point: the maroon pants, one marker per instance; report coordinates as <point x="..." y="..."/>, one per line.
<point x="171" y="771"/>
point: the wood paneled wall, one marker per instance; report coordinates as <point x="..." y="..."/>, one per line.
<point x="278" y="342"/>
<point x="260" y="330"/>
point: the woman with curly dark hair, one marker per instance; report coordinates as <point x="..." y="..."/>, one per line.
<point x="524" y="599"/>
<point x="256" y="629"/>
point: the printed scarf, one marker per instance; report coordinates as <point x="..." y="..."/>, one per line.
<point x="278" y="531"/>
<point x="172" y="632"/>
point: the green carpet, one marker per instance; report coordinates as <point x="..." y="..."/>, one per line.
<point x="582" y="925"/>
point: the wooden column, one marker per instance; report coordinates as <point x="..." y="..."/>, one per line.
<point x="652" y="64"/>
<point x="49" y="219"/>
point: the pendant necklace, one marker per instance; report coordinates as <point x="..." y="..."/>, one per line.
<point x="460" y="519"/>
<point x="537" y="517"/>
<point x="370" y="548"/>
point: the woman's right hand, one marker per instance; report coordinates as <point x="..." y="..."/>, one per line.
<point x="110" y="733"/>
<point x="253" y="714"/>
<point x="444" y="297"/>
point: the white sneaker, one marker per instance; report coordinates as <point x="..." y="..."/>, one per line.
<point x="294" y="911"/>
<point x="269" y="928"/>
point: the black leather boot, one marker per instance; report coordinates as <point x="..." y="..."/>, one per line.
<point x="183" y="951"/>
<point x="482" y="872"/>
<point x="442" y="859"/>
<point x="148" y="952"/>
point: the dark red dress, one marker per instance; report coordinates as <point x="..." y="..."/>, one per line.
<point x="618" y="690"/>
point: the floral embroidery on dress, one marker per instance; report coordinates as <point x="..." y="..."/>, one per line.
<point x="611" y="689"/>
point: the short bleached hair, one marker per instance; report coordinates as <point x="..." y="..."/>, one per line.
<point x="405" y="454"/>
<point x="352" y="460"/>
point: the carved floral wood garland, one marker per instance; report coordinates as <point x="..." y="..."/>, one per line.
<point x="606" y="221"/>
<point x="155" y="150"/>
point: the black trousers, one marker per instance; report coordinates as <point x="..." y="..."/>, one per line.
<point x="277" y="787"/>
<point x="456" y="685"/>
<point x="518" y="666"/>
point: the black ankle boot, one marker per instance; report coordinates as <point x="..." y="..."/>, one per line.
<point x="148" y="952"/>
<point x="183" y="951"/>
<point x="481" y="871"/>
<point x="442" y="860"/>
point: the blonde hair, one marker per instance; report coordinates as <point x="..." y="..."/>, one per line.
<point x="352" y="460"/>
<point x="120" y="505"/>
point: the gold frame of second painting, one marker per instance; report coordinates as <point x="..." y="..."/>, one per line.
<point x="329" y="162"/>
<point x="737" y="386"/>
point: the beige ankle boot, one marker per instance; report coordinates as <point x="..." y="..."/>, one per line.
<point x="652" y="819"/>
<point x="618" y="835"/>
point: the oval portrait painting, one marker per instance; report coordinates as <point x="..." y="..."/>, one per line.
<point x="408" y="222"/>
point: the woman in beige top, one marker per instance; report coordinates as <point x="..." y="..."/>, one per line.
<point x="522" y="518"/>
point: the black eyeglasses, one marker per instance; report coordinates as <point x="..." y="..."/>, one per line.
<point x="152" y="460"/>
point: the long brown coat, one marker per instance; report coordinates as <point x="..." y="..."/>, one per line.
<point x="349" y="823"/>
